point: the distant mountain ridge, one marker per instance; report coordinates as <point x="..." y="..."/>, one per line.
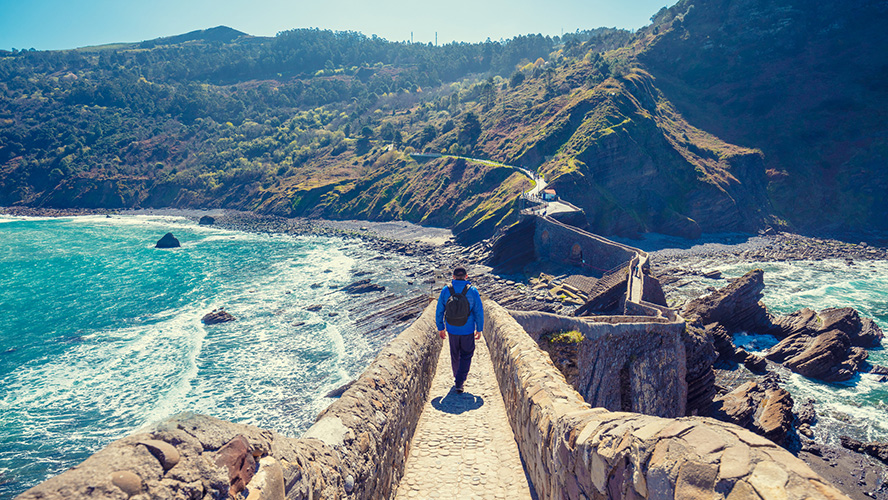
<point x="221" y="34"/>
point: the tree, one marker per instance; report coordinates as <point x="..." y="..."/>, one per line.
<point x="429" y="132"/>
<point x="387" y="131"/>
<point x="517" y="79"/>
<point x="469" y="130"/>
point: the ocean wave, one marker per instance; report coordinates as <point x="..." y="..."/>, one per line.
<point x="108" y="333"/>
<point x="854" y="408"/>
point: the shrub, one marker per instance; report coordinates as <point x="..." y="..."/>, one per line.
<point x="564" y="337"/>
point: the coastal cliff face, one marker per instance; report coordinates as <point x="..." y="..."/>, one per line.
<point x="801" y="82"/>
<point x="622" y="153"/>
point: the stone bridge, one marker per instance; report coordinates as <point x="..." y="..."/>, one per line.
<point x="521" y="429"/>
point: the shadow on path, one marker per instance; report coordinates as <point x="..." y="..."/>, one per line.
<point x="456" y="404"/>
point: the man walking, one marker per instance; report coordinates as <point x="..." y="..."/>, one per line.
<point x="461" y="313"/>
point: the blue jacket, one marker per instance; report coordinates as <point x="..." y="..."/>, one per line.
<point x="476" y="318"/>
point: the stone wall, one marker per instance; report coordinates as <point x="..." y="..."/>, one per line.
<point x="559" y="242"/>
<point x="636" y="365"/>
<point x="574" y="451"/>
<point x="356" y="449"/>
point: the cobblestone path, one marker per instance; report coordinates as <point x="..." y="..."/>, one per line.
<point x="464" y="447"/>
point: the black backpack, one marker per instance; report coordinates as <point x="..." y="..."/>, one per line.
<point x="457" y="308"/>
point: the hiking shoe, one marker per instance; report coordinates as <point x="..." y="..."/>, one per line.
<point x="459" y="389"/>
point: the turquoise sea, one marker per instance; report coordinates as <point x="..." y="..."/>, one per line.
<point x="857" y="408"/>
<point x="100" y="332"/>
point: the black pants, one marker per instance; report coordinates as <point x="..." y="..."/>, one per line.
<point x="462" y="347"/>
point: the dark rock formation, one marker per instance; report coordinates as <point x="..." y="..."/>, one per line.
<point x="206" y="220"/>
<point x="217" y="316"/>
<point x="700" y="355"/>
<point x="763" y="408"/>
<point x="862" y="332"/>
<point x="875" y="449"/>
<point x="314" y="307"/>
<point x="737" y="306"/>
<point x="826" y="345"/>
<point x="806" y="416"/>
<point x="514" y="249"/>
<point x="877" y="370"/>
<point x="339" y="391"/>
<point x="806" y="413"/>
<point x="722" y="341"/>
<point x="168" y="241"/>
<point x="754" y="362"/>
<point x="237" y="456"/>
<point x="829" y="356"/>
<point x="363" y="286"/>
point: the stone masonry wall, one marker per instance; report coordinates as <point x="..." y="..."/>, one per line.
<point x="561" y="243"/>
<point x="356" y="449"/>
<point x="636" y="365"/>
<point x="574" y="451"/>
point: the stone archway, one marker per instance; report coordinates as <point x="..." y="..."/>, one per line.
<point x="576" y="251"/>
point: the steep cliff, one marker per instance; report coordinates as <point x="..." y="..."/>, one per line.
<point x="635" y="165"/>
<point x="804" y="82"/>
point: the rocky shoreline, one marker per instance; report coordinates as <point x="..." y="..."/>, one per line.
<point x="777" y="247"/>
<point x="546" y="292"/>
<point x="747" y="389"/>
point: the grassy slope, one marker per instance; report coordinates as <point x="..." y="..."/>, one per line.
<point x="470" y="197"/>
<point x="618" y="149"/>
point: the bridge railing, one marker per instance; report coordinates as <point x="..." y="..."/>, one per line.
<point x="356" y="448"/>
<point x="574" y="451"/>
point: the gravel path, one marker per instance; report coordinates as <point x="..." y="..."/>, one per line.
<point x="464" y="447"/>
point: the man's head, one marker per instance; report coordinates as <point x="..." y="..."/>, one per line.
<point x="460" y="273"/>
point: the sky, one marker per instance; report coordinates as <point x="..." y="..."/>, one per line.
<point x="68" y="24"/>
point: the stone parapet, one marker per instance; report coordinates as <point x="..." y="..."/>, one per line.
<point x="559" y="242"/>
<point x="636" y="365"/>
<point x="356" y="448"/>
<point x="574" y="451"/>
<point x="371" y="425"/>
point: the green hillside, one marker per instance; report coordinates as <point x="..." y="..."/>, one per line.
<point x="294" y="125"/>
<point x="721" y="115"/>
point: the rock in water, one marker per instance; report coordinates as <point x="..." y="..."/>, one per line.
<point x="217" y="316"/>
<point x="339" y="391"/>
<point x="737" y="306"/>
<point x="828" y="356"/>
<point x="206" y="220"/>
<point x="168" y="241"/>
<point x="874" y="449"/>
<point x="862" y="332"/>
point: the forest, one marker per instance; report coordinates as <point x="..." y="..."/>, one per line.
<point x="702" y="121"/>
<point x="210" y="118"/>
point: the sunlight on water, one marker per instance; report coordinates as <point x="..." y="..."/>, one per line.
<point x="101" y="334"/>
